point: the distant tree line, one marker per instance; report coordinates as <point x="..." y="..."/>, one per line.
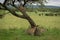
<point x="44" y="9"/>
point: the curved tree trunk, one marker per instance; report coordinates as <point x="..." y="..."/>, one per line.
<point x="34" y="29"/>
<point x="32" y="23"/>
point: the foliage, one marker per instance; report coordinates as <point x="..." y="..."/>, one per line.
<point x="44" y="9"/>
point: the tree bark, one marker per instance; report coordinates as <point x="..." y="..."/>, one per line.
<point x="34" y="30"/>
<point x="23" y="11"/>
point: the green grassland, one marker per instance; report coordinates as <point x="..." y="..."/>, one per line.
<point x="13" y="28"/>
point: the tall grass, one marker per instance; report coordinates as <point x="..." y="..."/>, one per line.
<point x="10" y="21"/>
<point x="13" y="28"/>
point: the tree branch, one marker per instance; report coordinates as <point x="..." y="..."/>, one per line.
<point x="5" y="2"/>
<point x="15" y="14"/>
<point x="12" y="12"/>
<point x="25" y="1"/>
<point x="1" y="4"/>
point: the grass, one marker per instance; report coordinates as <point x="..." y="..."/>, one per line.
<point x="19" y="34"/>
<point x="13" y="28"/>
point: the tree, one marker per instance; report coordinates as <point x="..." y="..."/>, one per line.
<point x="21" y="7"/>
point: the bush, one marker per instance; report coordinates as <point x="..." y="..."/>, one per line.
<point x="49" y="14"/>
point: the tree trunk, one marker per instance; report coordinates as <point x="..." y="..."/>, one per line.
<point x="23" y="11"/>
<point x="34" y="30"/>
